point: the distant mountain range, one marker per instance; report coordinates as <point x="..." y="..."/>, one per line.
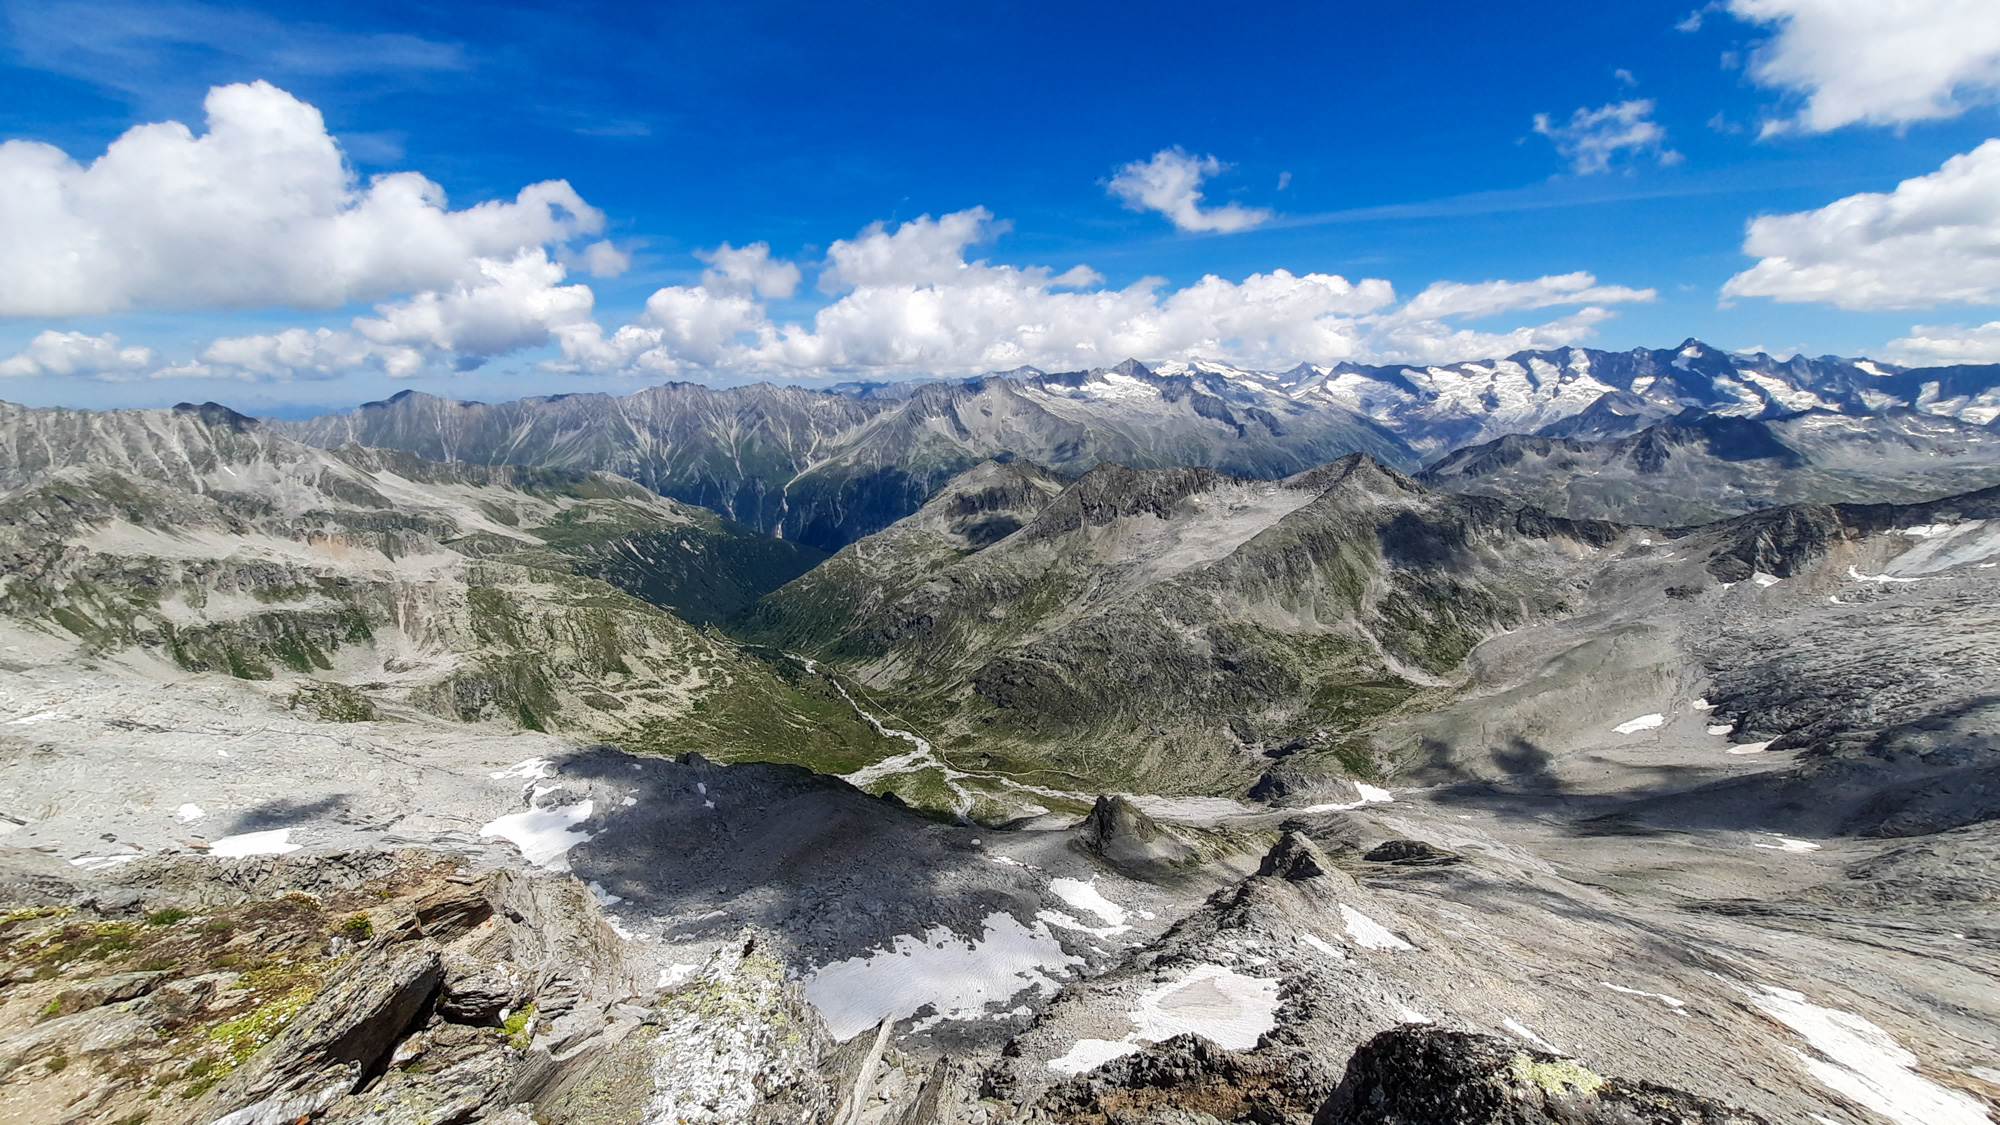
<point x="824" y="467"/>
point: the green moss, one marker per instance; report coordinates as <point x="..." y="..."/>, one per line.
<point x="243" y="1036"/>
<point x="1559" y="1077"/>
<point x="357" y="928"/>
<point x="56" y="1064"/>
<point x="166" y="917"/>
<point x="515" y="1027"/>
<point x="333" y="702"/>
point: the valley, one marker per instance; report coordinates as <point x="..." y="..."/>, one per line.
<point x="1153" y="744"/>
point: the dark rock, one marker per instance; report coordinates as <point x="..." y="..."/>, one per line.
<point x="1120" y="833"/>
<point x="1430" y="1076"/>
<point x="453" y="909"/>
<point x="477" y="993"/>
<point x="105" y="990"/>
<point x="1295" y="857"/>
<point x="1411" y="853"/>
<point x="1186" y="1079"/>
<point x="337" y="1041"/>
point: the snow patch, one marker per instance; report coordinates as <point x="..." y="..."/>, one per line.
<point x="1220" y="1005"/>
<point x="1069" y="922"/>
<point x="1370" y="795"/>
<point x="1643" y="722"/>
<point x="1368" y="933"/>
<point x="1787" y="844"/>
<point x="544" y="836"/>
<point x="38" y="717"/>
<point x="604" y="897"/>
<point x="189" y="813"/>
<point x="277" y="841"/>
<point x="1859" y="1061"/>
<point x="1085" y="896"/>
<point x="1089" y="1054"/>
<point x="1314" y="941"/>
<point x="1752" y="747"/>
<point x="535" y="768"/>
<point x="953" y="976"/>
<point x="1514" y="1028"/>
<point x="1661" y="997"/>
<point x="1722" y="728"/>
<point x="1885" y="579"/>
<point x="101" y="862"/>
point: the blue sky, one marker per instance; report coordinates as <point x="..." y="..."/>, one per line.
<point x="1391" y="144"/>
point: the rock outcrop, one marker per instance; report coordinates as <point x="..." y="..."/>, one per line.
<point x="1430" y="1076"/>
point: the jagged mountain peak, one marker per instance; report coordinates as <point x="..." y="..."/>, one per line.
<point x="216" y="414"/>
<point x="1356" y="472"/>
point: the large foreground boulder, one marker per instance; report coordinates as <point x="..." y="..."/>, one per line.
<point x="1428" y="1076"/>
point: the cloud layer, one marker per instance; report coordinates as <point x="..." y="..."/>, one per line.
<point x="1934" y="240"/>
<point x="1946" y="344"/>
<point x="1875" y="62"/>
<point x="260" y="210"/>
<point x="908" y="300"/>
<point x="1170" y="183"/>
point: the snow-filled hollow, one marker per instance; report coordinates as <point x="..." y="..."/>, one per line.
<point x="955" y="977"/>
<point x="277" y="841"/>
<point x="544" y="836"/>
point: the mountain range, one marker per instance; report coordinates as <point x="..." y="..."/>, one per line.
<point x="1167" y="745"/>
<point x="826" y="467"/>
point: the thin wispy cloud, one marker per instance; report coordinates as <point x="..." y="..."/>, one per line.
<point x="1594" y="140"/>
<point x="154" y="52"/>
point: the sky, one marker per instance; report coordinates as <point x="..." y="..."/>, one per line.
<point x="292" y="208"/>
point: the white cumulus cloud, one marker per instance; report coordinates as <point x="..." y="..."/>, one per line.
<point x="260" y="210"/>
<point x="905" y="300"/>
<point x="514" y="304"/>
<point x="300" y="353"/>
<point x="1933" y="240"/>
<point x="748" y="269"/>
<point x="911" y="302"/>
<point x="1930" y="345"/>
<point x="1875" y="62"/>
<point x="77" y="354"/>
<point x="1593" y="139"/>
<point x="1170" y="183"/>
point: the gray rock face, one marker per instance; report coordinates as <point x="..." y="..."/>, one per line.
<point x="1700" y="467"/>
<point x="823" y="469"/>
<point x="106" y="990"/>
<point x="1295" y="857"/>
<point x="341" y="1038"/>
<point x="1429" y="1076"/>
<point x="1118" y="832"/>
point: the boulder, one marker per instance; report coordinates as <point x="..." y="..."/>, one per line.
<point x="1411" y="853"/>
<point x="337" y="1041"/>
<point x="477" y="992"/>
<point x="453" y="909"/>
<point x="105" y="990"/>
<point x="1415" y="1075"/>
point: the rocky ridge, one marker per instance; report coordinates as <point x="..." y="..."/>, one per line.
<point x="825" y="468"/>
